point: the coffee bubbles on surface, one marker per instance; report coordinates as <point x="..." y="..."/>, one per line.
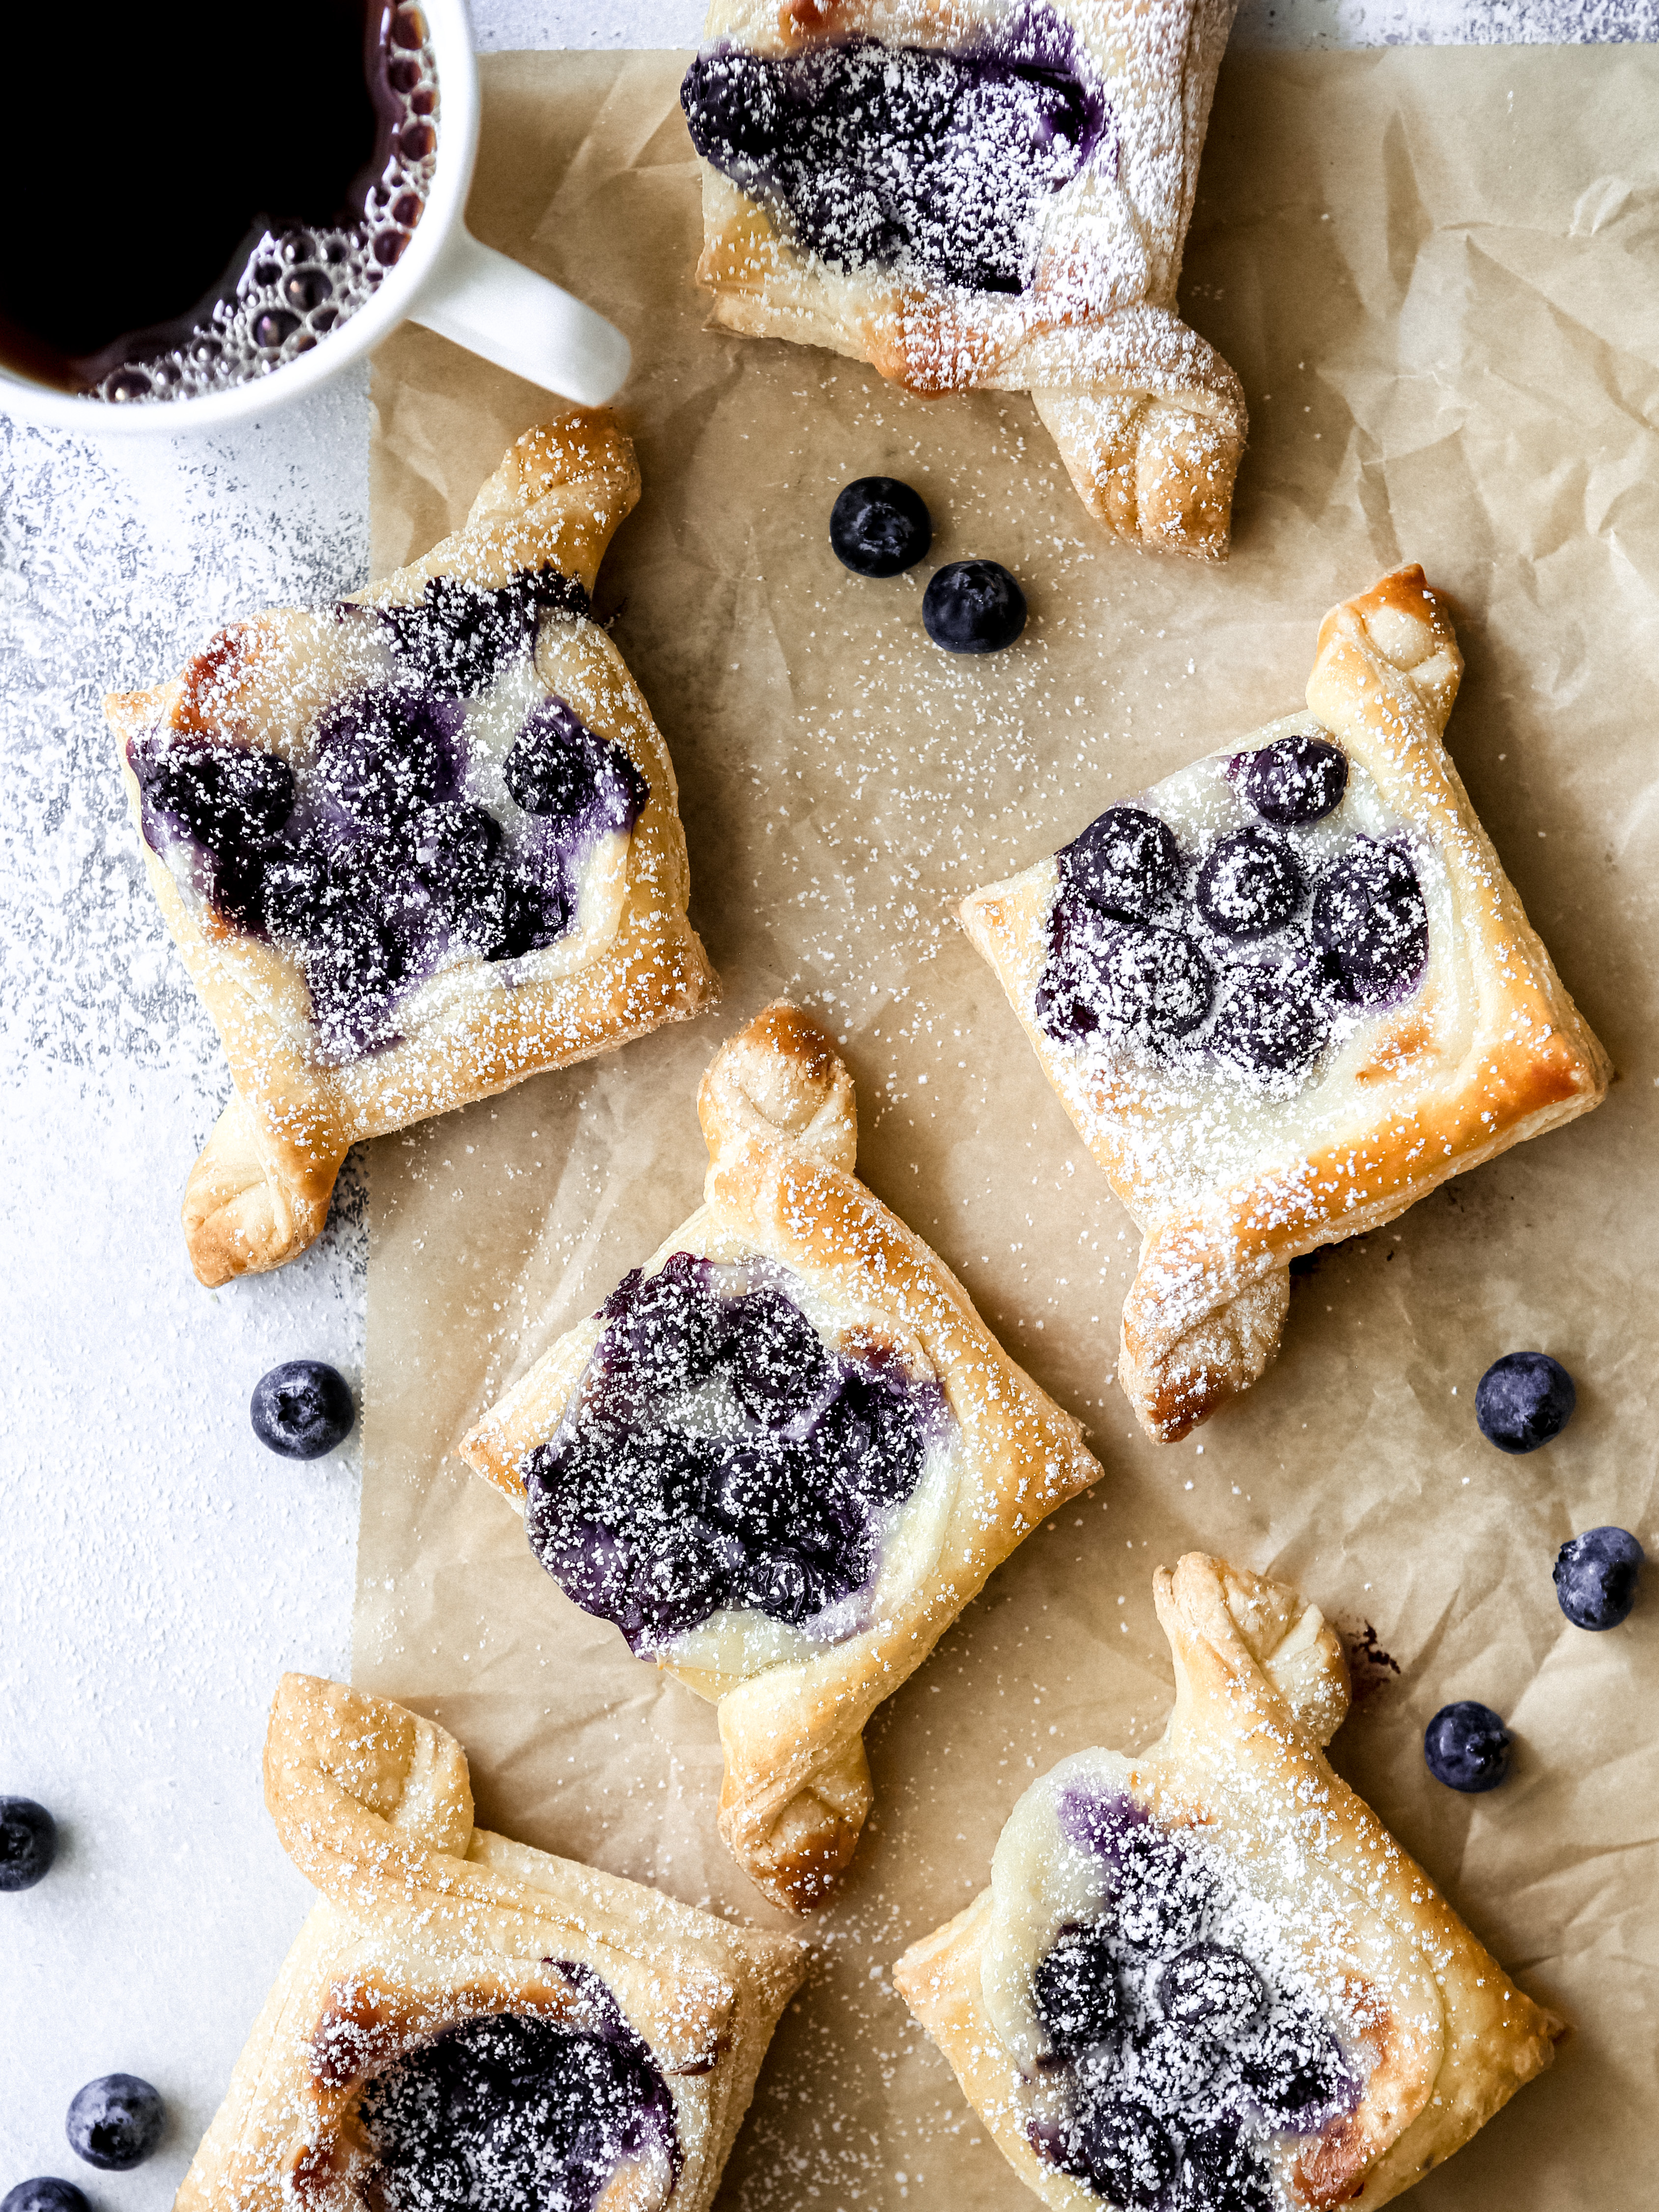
<point x="276" y="166"/>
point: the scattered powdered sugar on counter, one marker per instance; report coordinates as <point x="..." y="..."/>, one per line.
<point x="163" y="1567"/>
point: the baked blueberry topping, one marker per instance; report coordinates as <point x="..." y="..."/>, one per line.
<point x="1126" y="863"/>
<point x="1152" y="985"/>
<point x="458" y="636"/>
<point x="557" y="768"/>
<point x="878" y="526"/>
<point x="1220" y="2173"/>
<point x="385" y="753"/>
<point x="880" y="156"/>
<point x="45" y="2194"/>
<point x="507" y="2113"/>
<point x="1595" y="1579"/>
<point x="1179" y="2055"/>
<point x="1466" y="1747"/>
<point x="973" y="606"/>
<point x="115" y="2122"/>
<point x="1077" y="1993"/>
<point x="717" y="1452"/>
<point x="1206" y="1981"/>
<point x="1370" y="923"/>
<point x="1268" y="1019"/>
<point x="1523" y="1399"/>
<point x="1292" y="2070"/>
<point x="302" y="1409"/>
<point x="221" y="794"/>
<point x="1250" y="884"/>
<point x="1162" y="1892"/>
<point x="29" y="1843"/>
<point x="1293" y="779"/>
<point x="1120" y="2149"/>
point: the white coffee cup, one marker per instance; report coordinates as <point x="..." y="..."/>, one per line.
<point x="445" y="279"/>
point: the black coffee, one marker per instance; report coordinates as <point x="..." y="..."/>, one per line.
<point x="205" y="191"/>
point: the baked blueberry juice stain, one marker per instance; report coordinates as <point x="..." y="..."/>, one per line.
<point x="510" y="2111"/>
<point x="1252" y="951"/>
<point x="718" y="1454"/>
<point x="1177" y="2058"/>
<point x="272" y="166"/>
<point x="374" y="867"/>
<point x="937" y="164"/>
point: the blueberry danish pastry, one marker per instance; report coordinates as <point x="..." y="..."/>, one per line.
<point x="466" y="2024"/>
<point x="1285" y="994"/>
<point x="1208" y="1979"/>
<point x="983" y="193"/>
<point x="414" y="847"/>
<point x="783" y="1455"/>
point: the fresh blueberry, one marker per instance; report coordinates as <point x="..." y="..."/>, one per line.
<point x="1122" y="2151"/>
<point x="115" y="2122"/>
<point x="1206" y="1983"/>
<point x="1596" y="1577"/>
<point x="1250" y="884"/>
<point x="29" y="1843"/>
<point x="685" y="1576"/>
<point x="1271" y="1021"/>
<point x="1523" y="1399"/>
<point x="1466" y="1747"/>
<point x="1164" y="2067"/>
<point x="1126" y="863"/>
<point x="878" y="526"/>
<point x="1076" y="1990"/>
<point x="302" y="1409"/>
<point x="386" y="753"/>
<point x="973" y="606"/>
<point x="1369" y="920"/>
<point x="46" y="2193"/>
<point x="1293" y="779"/>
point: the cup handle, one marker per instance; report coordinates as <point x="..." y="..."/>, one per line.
<point x="499" y="308"/>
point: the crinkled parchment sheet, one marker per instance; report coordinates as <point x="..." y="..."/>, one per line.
<point x="1437" y="273"/>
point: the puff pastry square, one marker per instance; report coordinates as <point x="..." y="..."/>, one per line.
<point x="984" y="193"/>
<point x="1208" y="1977"/>
<point x="1285" y="994"/>
<point x="784" y="1455"/>
<point x="414" y="847"/>
<point x="463" y="2017"/>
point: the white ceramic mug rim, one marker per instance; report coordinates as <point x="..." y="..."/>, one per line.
<point x="446" y="204"/>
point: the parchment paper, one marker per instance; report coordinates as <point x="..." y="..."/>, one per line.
<point x="1435" y="272"/>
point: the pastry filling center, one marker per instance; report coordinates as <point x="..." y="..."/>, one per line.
<point x="397" y="848"/>
<point x="1174" y="2056"/>
<point x="514" y="2114"/>
<point x="1254" y="949"/>
<point x="717" y="1452"/>
<point x="938" y="165"/>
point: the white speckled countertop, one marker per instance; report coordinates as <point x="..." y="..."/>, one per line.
<point x="160" y="1568"/>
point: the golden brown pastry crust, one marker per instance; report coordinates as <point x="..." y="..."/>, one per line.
<point x="1148" y="420"/>
<point x="1261" y="1686"/>
<point x="425" y="1920"/>
<point x="259" y="1192"/>
<point x="1490" y="1050"/>
<point x="778" y="1111"/>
